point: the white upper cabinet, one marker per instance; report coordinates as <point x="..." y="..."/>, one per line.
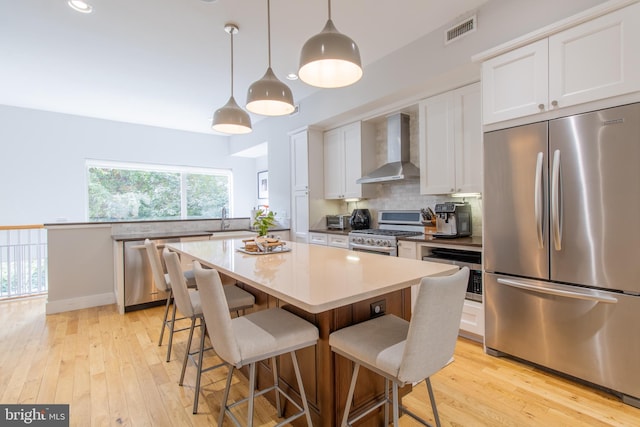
<point x="594" y="60"/>
<point x="451" y="142"/>
<point x="516" y="83"/>
<point x="597" y="59"/>
<point x="334" y="154"/>
<point x="345" y="161"/>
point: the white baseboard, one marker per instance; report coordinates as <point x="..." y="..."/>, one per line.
<point x="80" y="303"/>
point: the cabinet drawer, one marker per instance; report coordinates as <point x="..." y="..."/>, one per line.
<point x="318" y="239"/>
<point x="338" y="241"/>
<point x="407" y="249"/>
<point x="472" y="318"/>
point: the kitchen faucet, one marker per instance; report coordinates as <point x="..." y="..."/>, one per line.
<point x="223" y="223"/>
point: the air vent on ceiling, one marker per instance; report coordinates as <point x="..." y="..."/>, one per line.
<point x="460" y="30"/>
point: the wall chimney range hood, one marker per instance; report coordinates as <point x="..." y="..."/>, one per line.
<point x="398" y="165"/>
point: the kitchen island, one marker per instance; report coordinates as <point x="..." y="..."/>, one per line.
<point x="330" y="287"/>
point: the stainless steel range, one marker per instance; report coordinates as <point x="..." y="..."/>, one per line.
<point x="383" y="240"/>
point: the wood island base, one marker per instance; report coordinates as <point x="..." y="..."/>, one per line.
<point x="326" y="376"/>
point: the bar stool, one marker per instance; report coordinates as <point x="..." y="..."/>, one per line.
<point x="406" y="352"/>
<point x="249" y="339"/>
<point x="189" y="304"/>
<point x="163" y="283"/>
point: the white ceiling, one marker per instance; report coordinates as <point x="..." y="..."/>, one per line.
<point x="167" y="62"/>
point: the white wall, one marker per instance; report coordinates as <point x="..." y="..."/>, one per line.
<point x="43" y="153"/>
<point x="423" y="68"/>
<point x="43" y="161"/>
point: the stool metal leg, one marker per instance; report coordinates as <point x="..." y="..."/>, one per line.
<point x="164" y="319"/>
<point x="352" y="388"/>
<point x="386" y="401"/>
<point x="171" y="328"/>
<point x="225" y="397"/>
<point x="252" y="392"/>
<point x="396" y="414"/>
<point x="433" y="402"/>
<point x="303" y="396"/>
<point x="186" y="353"/>
<point x="203" y="332"/>
<point x="276" y="383"/>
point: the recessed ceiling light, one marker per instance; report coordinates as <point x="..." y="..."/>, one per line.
<point x="80" y="6"/>
<point x="292" y="76"/>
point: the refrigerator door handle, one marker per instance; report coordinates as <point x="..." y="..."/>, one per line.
<point x="556" y="203"/>
<point x="537" y="201"/>
<point x="587" y="295"/>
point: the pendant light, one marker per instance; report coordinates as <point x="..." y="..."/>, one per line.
<point x="231" y="118"/>
<point x="269" y="96"/>
<point x="330" y="59"/>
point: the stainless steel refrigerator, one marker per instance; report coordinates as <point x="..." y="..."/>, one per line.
<point x="562" y="246"/>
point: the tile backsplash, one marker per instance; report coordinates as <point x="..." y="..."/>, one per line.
<point x="405" y="194"/>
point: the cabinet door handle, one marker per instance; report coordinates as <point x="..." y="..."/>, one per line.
<point x="554" y="103"/>
<point x="541" y="107"/>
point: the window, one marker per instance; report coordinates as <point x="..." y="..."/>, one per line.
<point x="125" y="191"/>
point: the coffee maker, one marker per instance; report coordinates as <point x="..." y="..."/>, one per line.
<point x="453" y="220"/>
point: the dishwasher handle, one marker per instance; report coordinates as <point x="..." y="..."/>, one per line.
<point x="584" y="295"/>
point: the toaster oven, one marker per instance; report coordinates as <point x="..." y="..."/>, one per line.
<point x="338" y="222"/>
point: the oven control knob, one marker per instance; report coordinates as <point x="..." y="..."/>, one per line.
<point x="368" y="241"/>
<point x="359" y="239"/>
<point x="385" y="243"/>
<point x="379" y="242"/>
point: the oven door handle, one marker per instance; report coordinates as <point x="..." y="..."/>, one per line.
<point x="372" y="248"/>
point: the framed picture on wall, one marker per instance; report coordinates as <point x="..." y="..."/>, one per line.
<point x="263" y="185"/>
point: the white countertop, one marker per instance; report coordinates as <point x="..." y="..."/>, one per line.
<point x="312" y="277"/>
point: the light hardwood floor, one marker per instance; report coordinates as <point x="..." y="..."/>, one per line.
<point x="110" y="370"/>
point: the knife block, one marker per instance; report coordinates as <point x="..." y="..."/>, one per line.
<point x="430" y="227"/>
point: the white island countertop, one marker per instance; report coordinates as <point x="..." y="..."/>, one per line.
<point x="312" y="277"/>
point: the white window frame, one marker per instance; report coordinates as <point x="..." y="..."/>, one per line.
<point x="151" y="167"/>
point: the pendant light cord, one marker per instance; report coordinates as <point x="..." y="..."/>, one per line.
<point x="269" y="29"/>
<point x="329" y="7"/>
<point x="231" y="34"/>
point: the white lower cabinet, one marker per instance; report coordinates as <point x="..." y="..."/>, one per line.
<point x="338" y="241"/>
<point x="472" y="319"/>
<point x="327" y="239"/>
<point x="407" y="249"/>
<point x="318" y="239"/>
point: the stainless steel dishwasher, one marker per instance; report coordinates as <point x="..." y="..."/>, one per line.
<point x="139" y="288"/>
